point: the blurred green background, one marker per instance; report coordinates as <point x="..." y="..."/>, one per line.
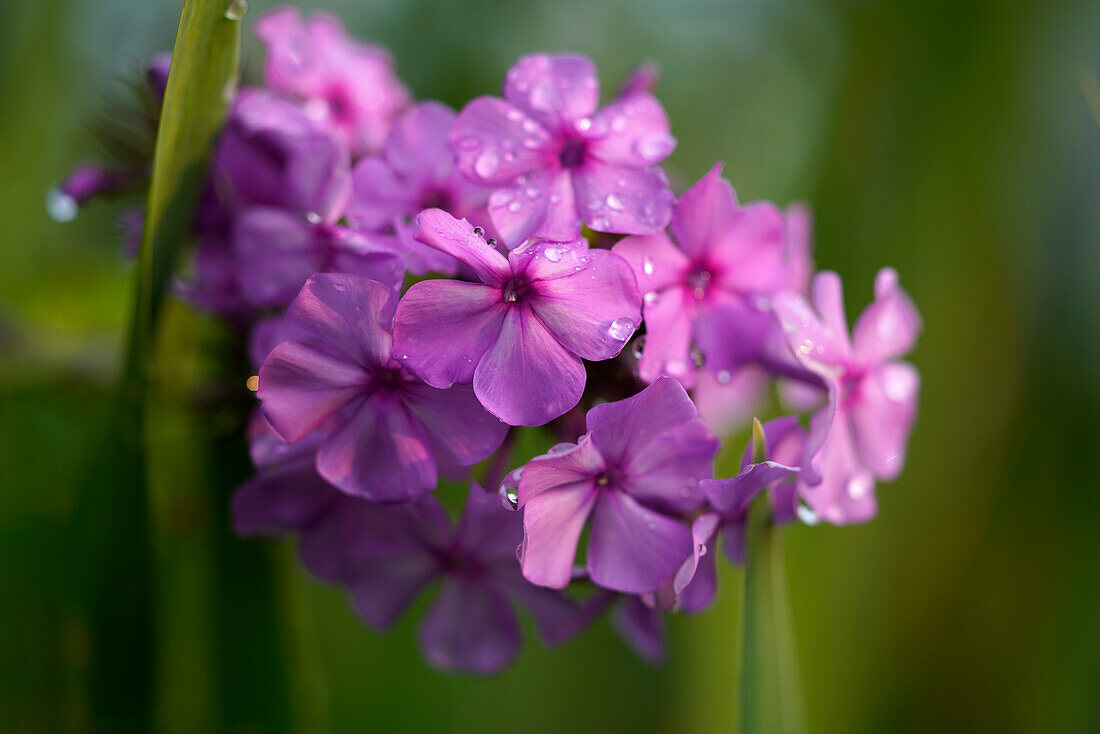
<point x="952" y="140"/>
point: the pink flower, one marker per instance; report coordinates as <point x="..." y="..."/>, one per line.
<point x="520" y="334"/>
<point x="348" y="85"/>
<point x="862" y="431"/>
<point x="557" y="161"/>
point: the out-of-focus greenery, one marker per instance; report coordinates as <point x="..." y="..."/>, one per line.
<point x="951" y="140"/>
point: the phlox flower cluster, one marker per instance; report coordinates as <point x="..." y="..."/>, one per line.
<point x="424" y="289"/>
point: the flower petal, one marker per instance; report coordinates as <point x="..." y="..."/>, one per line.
<point x="381" y="454"/>
<point x="541" y="204"/>
<point x="350" y="312"/>
<point x="443" y="327"/>
<point x="657" y="263"/>
<point x="527" y="378"/>
<point x="470" y="627"/>
<point x="627" y="428"/>
<point x="633" y="131"/>
<point x="277" y="252"/>
<point x="613" y="198"/>
<point x="704" y="213"/>
<point x="455" y="422"/>
<point x="888" y="328"/>
<point x="641" y="626"/>
<point x="494" y="141"/>
<point x="281" y="498"/>
<point x="670" y="320"/>
<point x="554" y="87"/>
<point x="883" y="417"/>
<point x="552" y="524"/>
<point x="561" y="467"/>
<point x="667" y="472"/>
<point x="588" y="299"/>
<point x="379" y="196"/>
<point x="300" y="386"/>
<point x="751" y="251"/>
<point x="846" y="492"/>
<point x="632" y="548"/>
<point x="456" y="237"/>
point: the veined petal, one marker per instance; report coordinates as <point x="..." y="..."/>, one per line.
<point x="626" y="429"/>
<point x="540" y="205"/>
<point x="632" y="548"/>
<point x="656" y="262"/>
<point x="300" y="386"/>
<point x="443" y="327"/>
<point x="456" y="421"/>
<point x="495" y="141"/>
<point x="552" y="524"/>
<point x="668" y="470"/>
<point x="612" y="198"/>
<point x="457" y="238"/>
<point x="669" y="318"/>
<point x="353" y="313"/>
<point x="575" y="464"/>
<point x="528" y="378"/>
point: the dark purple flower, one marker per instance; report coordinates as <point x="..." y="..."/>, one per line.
<point x="520" y="334"/>
<point x="635" y="472"/>
<point x="413" y="172"/>
<point x="393" y="433"/>
<point x="724" y="255"/>
<point x="862" y="431"/>
<point x="387" y="555"/>
<point x="557" y="161"/>
<point x="347" y="85"/>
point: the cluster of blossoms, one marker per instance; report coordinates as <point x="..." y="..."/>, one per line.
<point x="626" y="356"/>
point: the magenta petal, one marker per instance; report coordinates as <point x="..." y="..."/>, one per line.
<point x="696" y="581"/>
<point x="443" y="327"/>
<point x="641" y="626"/>
<point x="668" y="470"/>
<point x="731" y="496"/>
<point x="541" y="206"/>
<point x="634" y="549"/>
<point x="281" y="498"/>
<point x="637" y="132"/>
<point x="883" y="417"/>
<point x="355" y="253"/>
<point x="349" y="311"/>
<point x="888" y="328"/>
<point x="846" y="492"/>
<point x="656" y="262"/>
<point x="555" y="87"/>
<point x="623" y="200"/>
<point x="278" y="253"/>
<point x="470" y="627"/>
<point x="669" y="318"/>
<point x="800" y="262"/>
<point x="528" y="378"/>
<point x="626" y="428"/>
<point x="704" y="213"/>
<point x="494" y="142"/>
<point x="728" y="400"/>
<point x="592" y="311"/>
<point x="378" y="195"/>
<point x="565" y="465"/>
<point x="301" y="386"/>
<point x="815" y="345"/>
<point x="733" y="334"/>
<point x="417" y="147"/>
<point x="455" y="422"/>
<point x="457" y="238"/>
<point x="552" y="524"/>
<point x="752" y="251"/>
<point x="828" y="297"/>
<point x="381" y="454"/>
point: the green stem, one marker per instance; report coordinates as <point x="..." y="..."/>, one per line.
<point x="770" y="692"/>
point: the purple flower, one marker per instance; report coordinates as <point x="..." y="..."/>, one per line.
<point x="387" y="555"/>
<point x="725" y="256"/>
<point x="347" y="85"/>
<point x="392" y="432"/>
<point x="520" y="334"/>
<point x="862" y="431"/>
<point x="635" y="472"/>
<point x="278" y="186"/>
<point x="557" y="161"/>
<point x="415" y="171"/>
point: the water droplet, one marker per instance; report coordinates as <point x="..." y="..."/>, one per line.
<point x="514" y="207"/>
<point x="236" y="9"/>
<point x="60" y="206"/>
<point x="615" y="202"/>
<point x="530" y="126"/>
<point x="532" y="192"/>
<point x="601" y="223"/>
<point x="530" y="143"/>
<point x="676" y="367"/>
<point x="618" y="124"/>
<point x="313" y="217"/>
<point x="723" y="377"/>
<point x="553" y="254"/>
<point x="858" y="487"/>
<point x="651" y="297"/>
<point x="702" y="549"/>
<point x="479" y="231"/>
<point x="657" y="148"/>
<point x="621" y="328"/>
<point x="647" y="266"/>
<point x="584" y="124"/>
<point x="555" y="198"/>
<point x="638" y="348"/>
<point x="513" y="114"/>
<point x="487" y="163"/>
<point x="806" y="515"/>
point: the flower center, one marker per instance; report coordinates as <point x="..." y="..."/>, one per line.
<point x="608" y="478"/>
<point x="572" y="153"/>
<point x="516" y="289"/>
<point x="389" y="379"/>
<point x="699" y="280"/>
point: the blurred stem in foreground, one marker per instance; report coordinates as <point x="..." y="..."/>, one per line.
<point x="770" y="693"/>
<point x="111" y="551"/>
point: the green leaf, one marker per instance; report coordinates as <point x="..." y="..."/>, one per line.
<point x="770" y="692"/>
<point x="111" y="550"/>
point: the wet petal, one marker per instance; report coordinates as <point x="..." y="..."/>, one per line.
<point x="888" y="328"/>
<point x="634" y="549"/>
<point x="669" y="318"/>
<point x="633" y="132"/>
<point x="751" y="253"/>
<point x="541" y="205"/>
<point x="667" y="471"/>
<point x="528" y="378"/>
<point x="457" y="238"/>
<point x="883" y="417"/>
<point x="552" y="524"/>
<point x="565" y="466"/>
<point x="443" y="327"/>
<point x="657" y="263"/>
<point x="612" y="198"/>
<point x="494" y="142"/>
<point x="704" y="213"/>
<point x="846" y="492"/>
<point x="379" y="196"/>
<point x="554" y="87"/>
<point x="278" y="253"/>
